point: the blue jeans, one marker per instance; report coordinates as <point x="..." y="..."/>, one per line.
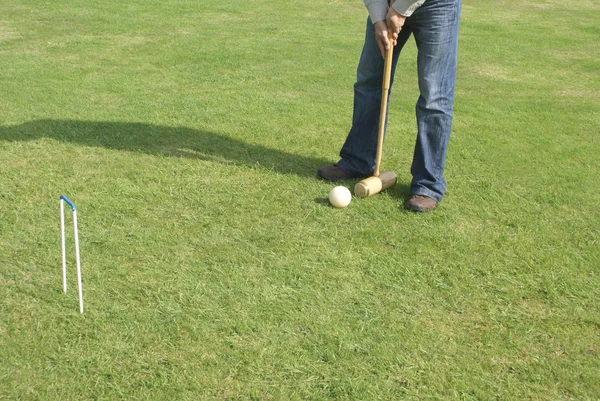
<point x="435" y="29"/>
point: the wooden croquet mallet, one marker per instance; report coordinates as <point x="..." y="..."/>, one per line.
<point x="380" y="181"/>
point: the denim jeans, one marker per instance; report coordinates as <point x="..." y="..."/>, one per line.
<point x="435" y="28"/>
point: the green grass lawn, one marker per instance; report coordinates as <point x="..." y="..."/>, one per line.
<point x="188" y="133"/>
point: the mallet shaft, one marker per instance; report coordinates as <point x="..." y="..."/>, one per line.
<point x="385" y="90"/>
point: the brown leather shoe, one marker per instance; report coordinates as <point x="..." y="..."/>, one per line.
<point x="421" y="203"/>
<point x="336" y="173"/>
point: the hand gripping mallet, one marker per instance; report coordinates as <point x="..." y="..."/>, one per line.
<point x="380" y="181"/>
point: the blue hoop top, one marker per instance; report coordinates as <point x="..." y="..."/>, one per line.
<point x="68" y="202"/>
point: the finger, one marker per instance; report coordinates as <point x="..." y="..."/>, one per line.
<point x="381" y="48"/>
<point x="390" y="25"/>
<point x="386" y="42"/>
<point x="386" y="45"/>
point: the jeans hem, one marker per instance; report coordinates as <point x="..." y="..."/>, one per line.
<point x="344" y="165"/>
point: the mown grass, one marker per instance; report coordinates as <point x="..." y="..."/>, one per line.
<point x="188" y="135"/>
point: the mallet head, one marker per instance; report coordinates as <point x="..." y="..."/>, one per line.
<point x="373" y="185"/>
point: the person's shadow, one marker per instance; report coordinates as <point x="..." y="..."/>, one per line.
<point x="175" y="142"/>
<point x="166" y="141"/>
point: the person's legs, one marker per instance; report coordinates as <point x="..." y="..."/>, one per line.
<point x="435" y="28"/>
<point x="359" y="150"/>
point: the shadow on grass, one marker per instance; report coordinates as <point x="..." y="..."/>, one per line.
<point x="400" y="191"/>
<point x="166" y="141"/>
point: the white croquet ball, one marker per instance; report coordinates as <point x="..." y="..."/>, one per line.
<point x="340" y="196"/>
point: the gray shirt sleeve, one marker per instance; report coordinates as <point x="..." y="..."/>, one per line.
<point x="407" y="7"/>
<point x="378" y="8"/>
